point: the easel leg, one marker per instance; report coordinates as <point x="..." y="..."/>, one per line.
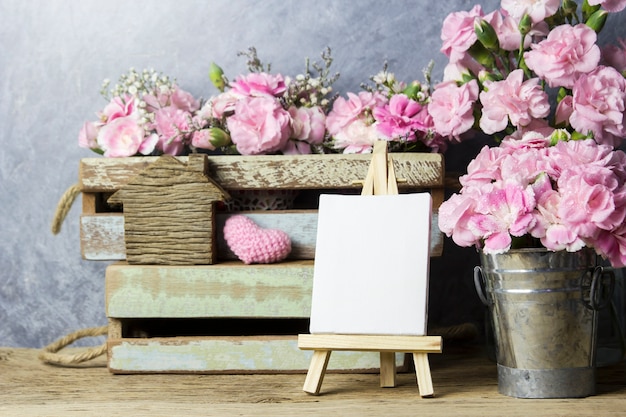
<point x="387" y="369"/>
<point x="422" y="371"/>
<point x="317" y="369"/>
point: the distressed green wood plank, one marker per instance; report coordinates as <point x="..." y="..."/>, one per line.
<point x="229" y="289"/>
<point x="247" y="354"/>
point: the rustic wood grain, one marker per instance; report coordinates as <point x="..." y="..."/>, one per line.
<point x="168" y="213"/>
<point x="422" y="170"/>
<point x="464" y="381"/>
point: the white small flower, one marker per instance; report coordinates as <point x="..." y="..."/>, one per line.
<point x="380" y="78"/>
<point x="132" y="90"/>
<point x="300" y="77"/>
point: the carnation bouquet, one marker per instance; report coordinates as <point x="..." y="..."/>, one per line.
<point x="257" y="113"/>
<point x="533" y="76"/>
<point x="265" y="113"/>
<point x="389" y="110"/>
<point x="531" y="65"/>
<point x="147" y="113"/>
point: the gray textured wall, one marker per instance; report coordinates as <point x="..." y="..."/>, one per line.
<point x="54" y="55"/>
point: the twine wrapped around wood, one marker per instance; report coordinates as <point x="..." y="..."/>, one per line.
<point x="64" y="206"/>
<point x="50" y="355"/>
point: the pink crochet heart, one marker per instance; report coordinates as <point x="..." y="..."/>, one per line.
<point x="253" y="244"/>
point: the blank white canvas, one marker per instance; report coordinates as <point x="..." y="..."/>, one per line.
<point x="372" y="264"/>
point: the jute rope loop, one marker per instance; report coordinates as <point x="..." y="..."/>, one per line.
<point x="64" y="206"/>
<point x="50" y="355"/>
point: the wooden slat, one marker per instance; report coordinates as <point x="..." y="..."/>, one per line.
<point x="229" y="289"/>
<point x="102" y="234"/>
<point x="227" y="354"/>
<point x="422" y="170"/>
<point x="382" y="343"/>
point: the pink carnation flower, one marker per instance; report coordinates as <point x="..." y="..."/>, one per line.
<point x="612" y="245"/>
<point x="308" y="124"/>
<point x="485" y="167"/>
<point x="202" y="139"/>
<point x="260" y="125"/>
<point x="400" y="118"/>
<point x="503" y="212"/>
<point x="506" y="28"/>
<point x="549" y="227"/>
<point x="512" y="99"/>
<point x="174" y="97"/>
<point x="358" y="137"/>
<point x="599" y="104"/>
<point x="259" y="84"/>
<point x="308" y="127"/>
<point x="350" y="122"/>
<point x="458" y="33"/>
<point x="171" y="125"/>
<point x="567" y="52"/>
<point x="121" y="137"/>
<point x="588" y="201"/>
<point x="346" y="111"/>
<point x="119" y="107"/>
<point x="183" y="100"/>
<point x="454" y="217"/>
<point x="219" y="106"/>
<point x="452" y="107"/>
<point x="88" y="134"/>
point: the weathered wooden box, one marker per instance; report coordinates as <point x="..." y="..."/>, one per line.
<point x="229" y="317"/>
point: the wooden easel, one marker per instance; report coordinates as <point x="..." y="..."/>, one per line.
<point x="380" y="180"/>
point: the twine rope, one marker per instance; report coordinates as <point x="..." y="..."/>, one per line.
<point x="63" y="207"/>
<point x="50" y="355"/>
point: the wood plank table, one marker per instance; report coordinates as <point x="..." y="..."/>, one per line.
<point x="463" y="378"/>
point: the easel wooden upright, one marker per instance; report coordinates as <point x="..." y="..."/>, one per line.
<point x="380" y="180"/>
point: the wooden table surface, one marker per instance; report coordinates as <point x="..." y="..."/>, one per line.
<point x="464" y="381"/>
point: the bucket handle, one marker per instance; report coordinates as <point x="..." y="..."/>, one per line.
<point x="479" y="283"/>
<point x="599" y="294"/>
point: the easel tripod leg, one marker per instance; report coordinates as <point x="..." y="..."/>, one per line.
<point x="422" y="371"/>
<point x="387" y="369"/>
<point x="316" y="372"/>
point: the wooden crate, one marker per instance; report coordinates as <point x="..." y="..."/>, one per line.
<point x="102" y="230"/>
<point x="229" y="317"/>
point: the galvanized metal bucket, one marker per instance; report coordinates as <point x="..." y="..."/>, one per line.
<point x="543" y="307"/>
